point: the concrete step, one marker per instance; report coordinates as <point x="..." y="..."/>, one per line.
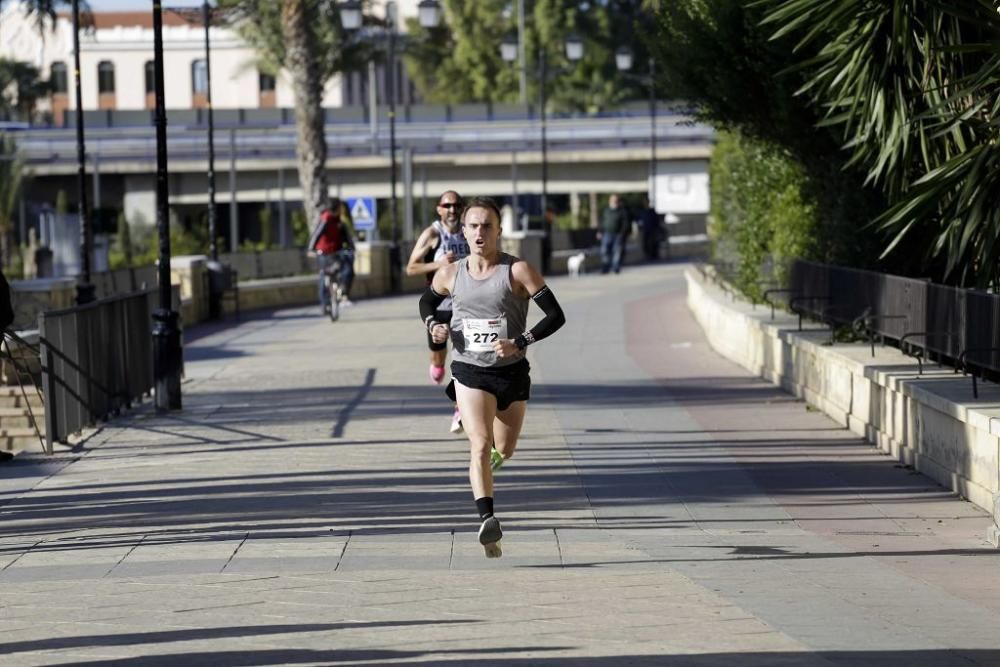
<point x="16" y="439"/>
<point x="21" y="417"/>
<point x="12" y="397"/>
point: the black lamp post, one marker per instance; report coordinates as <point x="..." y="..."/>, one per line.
<point x="574" y="52"/>
<point x="166" y="333"/>
<point x="623" y="60"/>
<point x="84" y="288"/>
<point x="207" y="15"/>
<point x="351" y="17"/>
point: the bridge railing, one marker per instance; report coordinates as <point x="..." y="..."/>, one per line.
<point x="229" y="118"/>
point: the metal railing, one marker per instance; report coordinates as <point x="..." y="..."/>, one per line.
<point x="96" y="359"/>
<point x="43" y="149"/>
<point x="123" y="281"/>
<point x="926" y="320"/>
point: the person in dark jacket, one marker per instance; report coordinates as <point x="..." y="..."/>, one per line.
<point x="652" y="231"/>
<point x="614" y="228"/>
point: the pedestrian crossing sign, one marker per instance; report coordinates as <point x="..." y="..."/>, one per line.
<point x="363" y="212"/>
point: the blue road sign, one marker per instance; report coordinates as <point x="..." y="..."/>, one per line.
<point x="363" y="212"/>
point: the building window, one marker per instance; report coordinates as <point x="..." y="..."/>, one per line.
<point x="150" y="77"/>
<point x="199" y="77"/>
<point x="58" y="79"/>
<point x="105" y="77"/>
<point x="266" y="98"/>
<point x="267" y="83"/>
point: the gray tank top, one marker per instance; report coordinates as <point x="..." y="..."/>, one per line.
<point x="484" y="311"/>
<point x="455" y="243"/>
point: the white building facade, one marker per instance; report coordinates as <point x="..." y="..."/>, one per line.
<point x="116" y="63"/>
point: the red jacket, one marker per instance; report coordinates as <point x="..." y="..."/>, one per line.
<point x="330" y="239"/>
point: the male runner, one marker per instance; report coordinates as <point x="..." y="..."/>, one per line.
<point x="440" y="244"/>
<point x="490" y="291"/>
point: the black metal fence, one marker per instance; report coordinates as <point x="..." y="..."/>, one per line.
<point x="123" y="281"/>
<point x="96" y="359"/>
<point x="958" y="326"/>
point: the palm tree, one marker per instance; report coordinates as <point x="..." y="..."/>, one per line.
<point x="11" y="175"/>
<point x="20" y="88"/>
<point x="306" y="39"/>
<point x="45" y="10"/>
<point x="911" y="86"/>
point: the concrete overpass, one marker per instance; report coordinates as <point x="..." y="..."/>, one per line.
<point x="255" y="162"/>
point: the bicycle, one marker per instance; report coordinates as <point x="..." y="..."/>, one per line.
<point x="331" y="281"/>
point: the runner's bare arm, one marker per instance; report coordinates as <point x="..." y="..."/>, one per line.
<point x="525" y="277"/>
<point x="427" y="240"/>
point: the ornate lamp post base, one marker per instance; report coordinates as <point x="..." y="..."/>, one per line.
<point x="167" y="360"/>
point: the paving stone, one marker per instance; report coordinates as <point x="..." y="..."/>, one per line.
<point x="309" y="507"/>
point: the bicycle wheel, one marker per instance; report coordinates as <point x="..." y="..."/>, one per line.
<point x="333" y="294"/>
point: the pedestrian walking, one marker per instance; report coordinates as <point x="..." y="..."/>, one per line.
<point x="614" y="229"/>
<point x="652" y="230"/>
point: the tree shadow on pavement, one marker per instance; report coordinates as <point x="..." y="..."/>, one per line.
<point x="492" y="658"/>
<point x="201" y="634"/>
<point x="608" y="471"/>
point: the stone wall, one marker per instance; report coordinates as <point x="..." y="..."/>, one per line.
<point x="930" y="420"/>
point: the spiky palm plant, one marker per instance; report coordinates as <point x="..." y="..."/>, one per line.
<point x="11" y="177"/>
<point x="912" y="84"/>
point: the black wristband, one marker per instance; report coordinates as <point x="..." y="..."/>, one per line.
<point x="521" y="342"/>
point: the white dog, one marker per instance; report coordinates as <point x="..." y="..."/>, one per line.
<point x="574" y="264"/>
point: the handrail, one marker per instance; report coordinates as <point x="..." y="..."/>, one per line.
<point x="794" y="299"/>
<point x="865" y="318"/>
<point x="919" y="357"/>
<point x="775" y="290"/>
<point x="961" y="364"/>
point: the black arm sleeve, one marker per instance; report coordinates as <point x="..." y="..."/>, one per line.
<point x="429" y="302"/>
<point x="554" y="318"/>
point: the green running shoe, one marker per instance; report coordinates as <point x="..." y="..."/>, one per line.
<point x="496" y="460"/>
<point x="489" y="536"/>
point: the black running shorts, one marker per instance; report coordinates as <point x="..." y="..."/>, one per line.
<point x="508" y="383"/>
<point x="442" y="317"/>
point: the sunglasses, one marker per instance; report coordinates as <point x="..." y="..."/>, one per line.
<point x="451" y="205"/>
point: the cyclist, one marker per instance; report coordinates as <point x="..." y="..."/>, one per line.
<point x="330" y="240"/>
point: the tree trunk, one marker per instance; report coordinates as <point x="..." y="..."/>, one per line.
<point x="5" y="249"/>
<point x="310" y="148"/>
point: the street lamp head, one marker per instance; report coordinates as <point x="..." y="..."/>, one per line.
<point x="623" y="58"/>
<point x="350" y="14"/>
<point x="574" y="47"/>
<point x="508" y="48"/>
<point x="429" y="12"/>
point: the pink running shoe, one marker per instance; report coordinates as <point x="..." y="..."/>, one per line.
<point x="437" y="374"/>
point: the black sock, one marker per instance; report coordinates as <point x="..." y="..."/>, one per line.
<point x="484" y="506"/>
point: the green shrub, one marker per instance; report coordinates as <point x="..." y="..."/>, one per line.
<point x="761" y="212"/>
<point x="300" y="228"/>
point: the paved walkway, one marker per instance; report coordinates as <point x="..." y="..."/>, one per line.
<point x="308" y="507"/>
